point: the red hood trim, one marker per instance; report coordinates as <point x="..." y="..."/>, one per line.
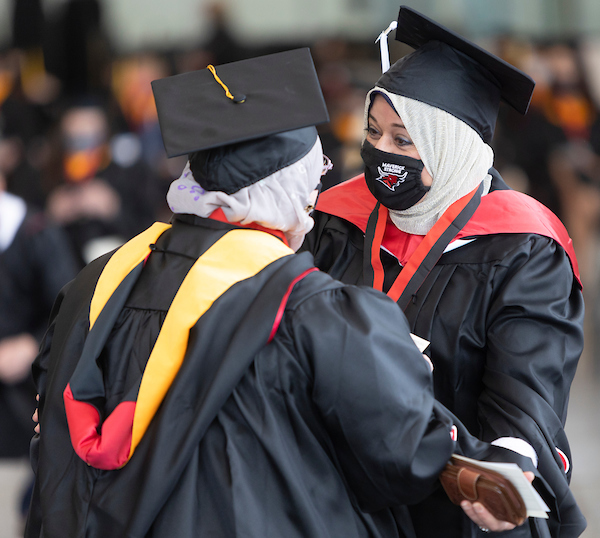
<point x="502" y="211"/>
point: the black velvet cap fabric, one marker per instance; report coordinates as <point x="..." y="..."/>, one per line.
<point x="454" y="74"/>
<point x="235" y="166"/>
<point x="271" y="94"/>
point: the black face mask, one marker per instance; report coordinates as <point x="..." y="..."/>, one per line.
<point x="395" y="180"/>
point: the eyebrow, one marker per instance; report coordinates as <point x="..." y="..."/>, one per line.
<point x="400" y="125"/>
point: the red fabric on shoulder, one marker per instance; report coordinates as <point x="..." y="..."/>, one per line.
<point x="350" y="200"/>
<point x="218" y="214"/>
<point x="284" y="301"/>
<point x="502" y="211"/>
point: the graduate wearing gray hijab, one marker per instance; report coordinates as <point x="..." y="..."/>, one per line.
<point x="486" y="274"/>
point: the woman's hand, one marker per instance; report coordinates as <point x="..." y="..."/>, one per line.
<point x="36" y="418"/>
<point x="482" y="517"/>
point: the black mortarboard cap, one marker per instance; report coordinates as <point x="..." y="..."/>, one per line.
<point x="454" y="74"/>
<point x="269" y="94"/>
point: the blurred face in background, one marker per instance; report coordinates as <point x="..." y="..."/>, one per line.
<point x="83" y="195"/>
<point x="84" y="135"/>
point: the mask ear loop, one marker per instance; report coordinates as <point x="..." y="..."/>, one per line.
<point x="383" y="46"/>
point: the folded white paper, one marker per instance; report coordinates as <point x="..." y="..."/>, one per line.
<point x="421" y="343"/>
<point x="536" y="507"/>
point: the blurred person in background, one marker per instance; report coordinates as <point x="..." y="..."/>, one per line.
<point x="487" y="275"/>
<point x="131" y="76"/>
<point x="76" y="49"/>
<point x="523" y="144"/>
<point x="137" y="121"/>
<point x="341" y="96"/>
<point x="27" y="94"/>
<point x="36" y="261"/>
<point x="555" y="147"/>
<point x="221" y="42"/>
<point x="552" y="145"/>
<point x="574" y="166"/>
<point x="102" y="192"/>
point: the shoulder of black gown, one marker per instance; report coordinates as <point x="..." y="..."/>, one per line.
<point x="357" y="344"/>
<point x="507" y="211"/>
<point x="502" y="211"/>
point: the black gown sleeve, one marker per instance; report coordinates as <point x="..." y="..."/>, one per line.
<point x="534" y="340"/>
<point x="374" y="391"/>
<point x="337" y="247"/>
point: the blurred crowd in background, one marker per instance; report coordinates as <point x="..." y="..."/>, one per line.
<point x="83" y="168"/>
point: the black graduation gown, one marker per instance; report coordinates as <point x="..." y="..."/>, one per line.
<point x="33" y="269"/>
<point x="332" y="424"/>
<point x="504" y="315"/>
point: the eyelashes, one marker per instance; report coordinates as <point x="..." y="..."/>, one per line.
<point x="401" y="142"/>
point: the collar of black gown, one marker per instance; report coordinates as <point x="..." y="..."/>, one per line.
<point x="450" y="72"/>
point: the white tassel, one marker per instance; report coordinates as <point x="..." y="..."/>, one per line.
<point x="383" y="45"/>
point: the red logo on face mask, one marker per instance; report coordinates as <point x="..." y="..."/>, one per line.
<point x="389" y="179"/>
